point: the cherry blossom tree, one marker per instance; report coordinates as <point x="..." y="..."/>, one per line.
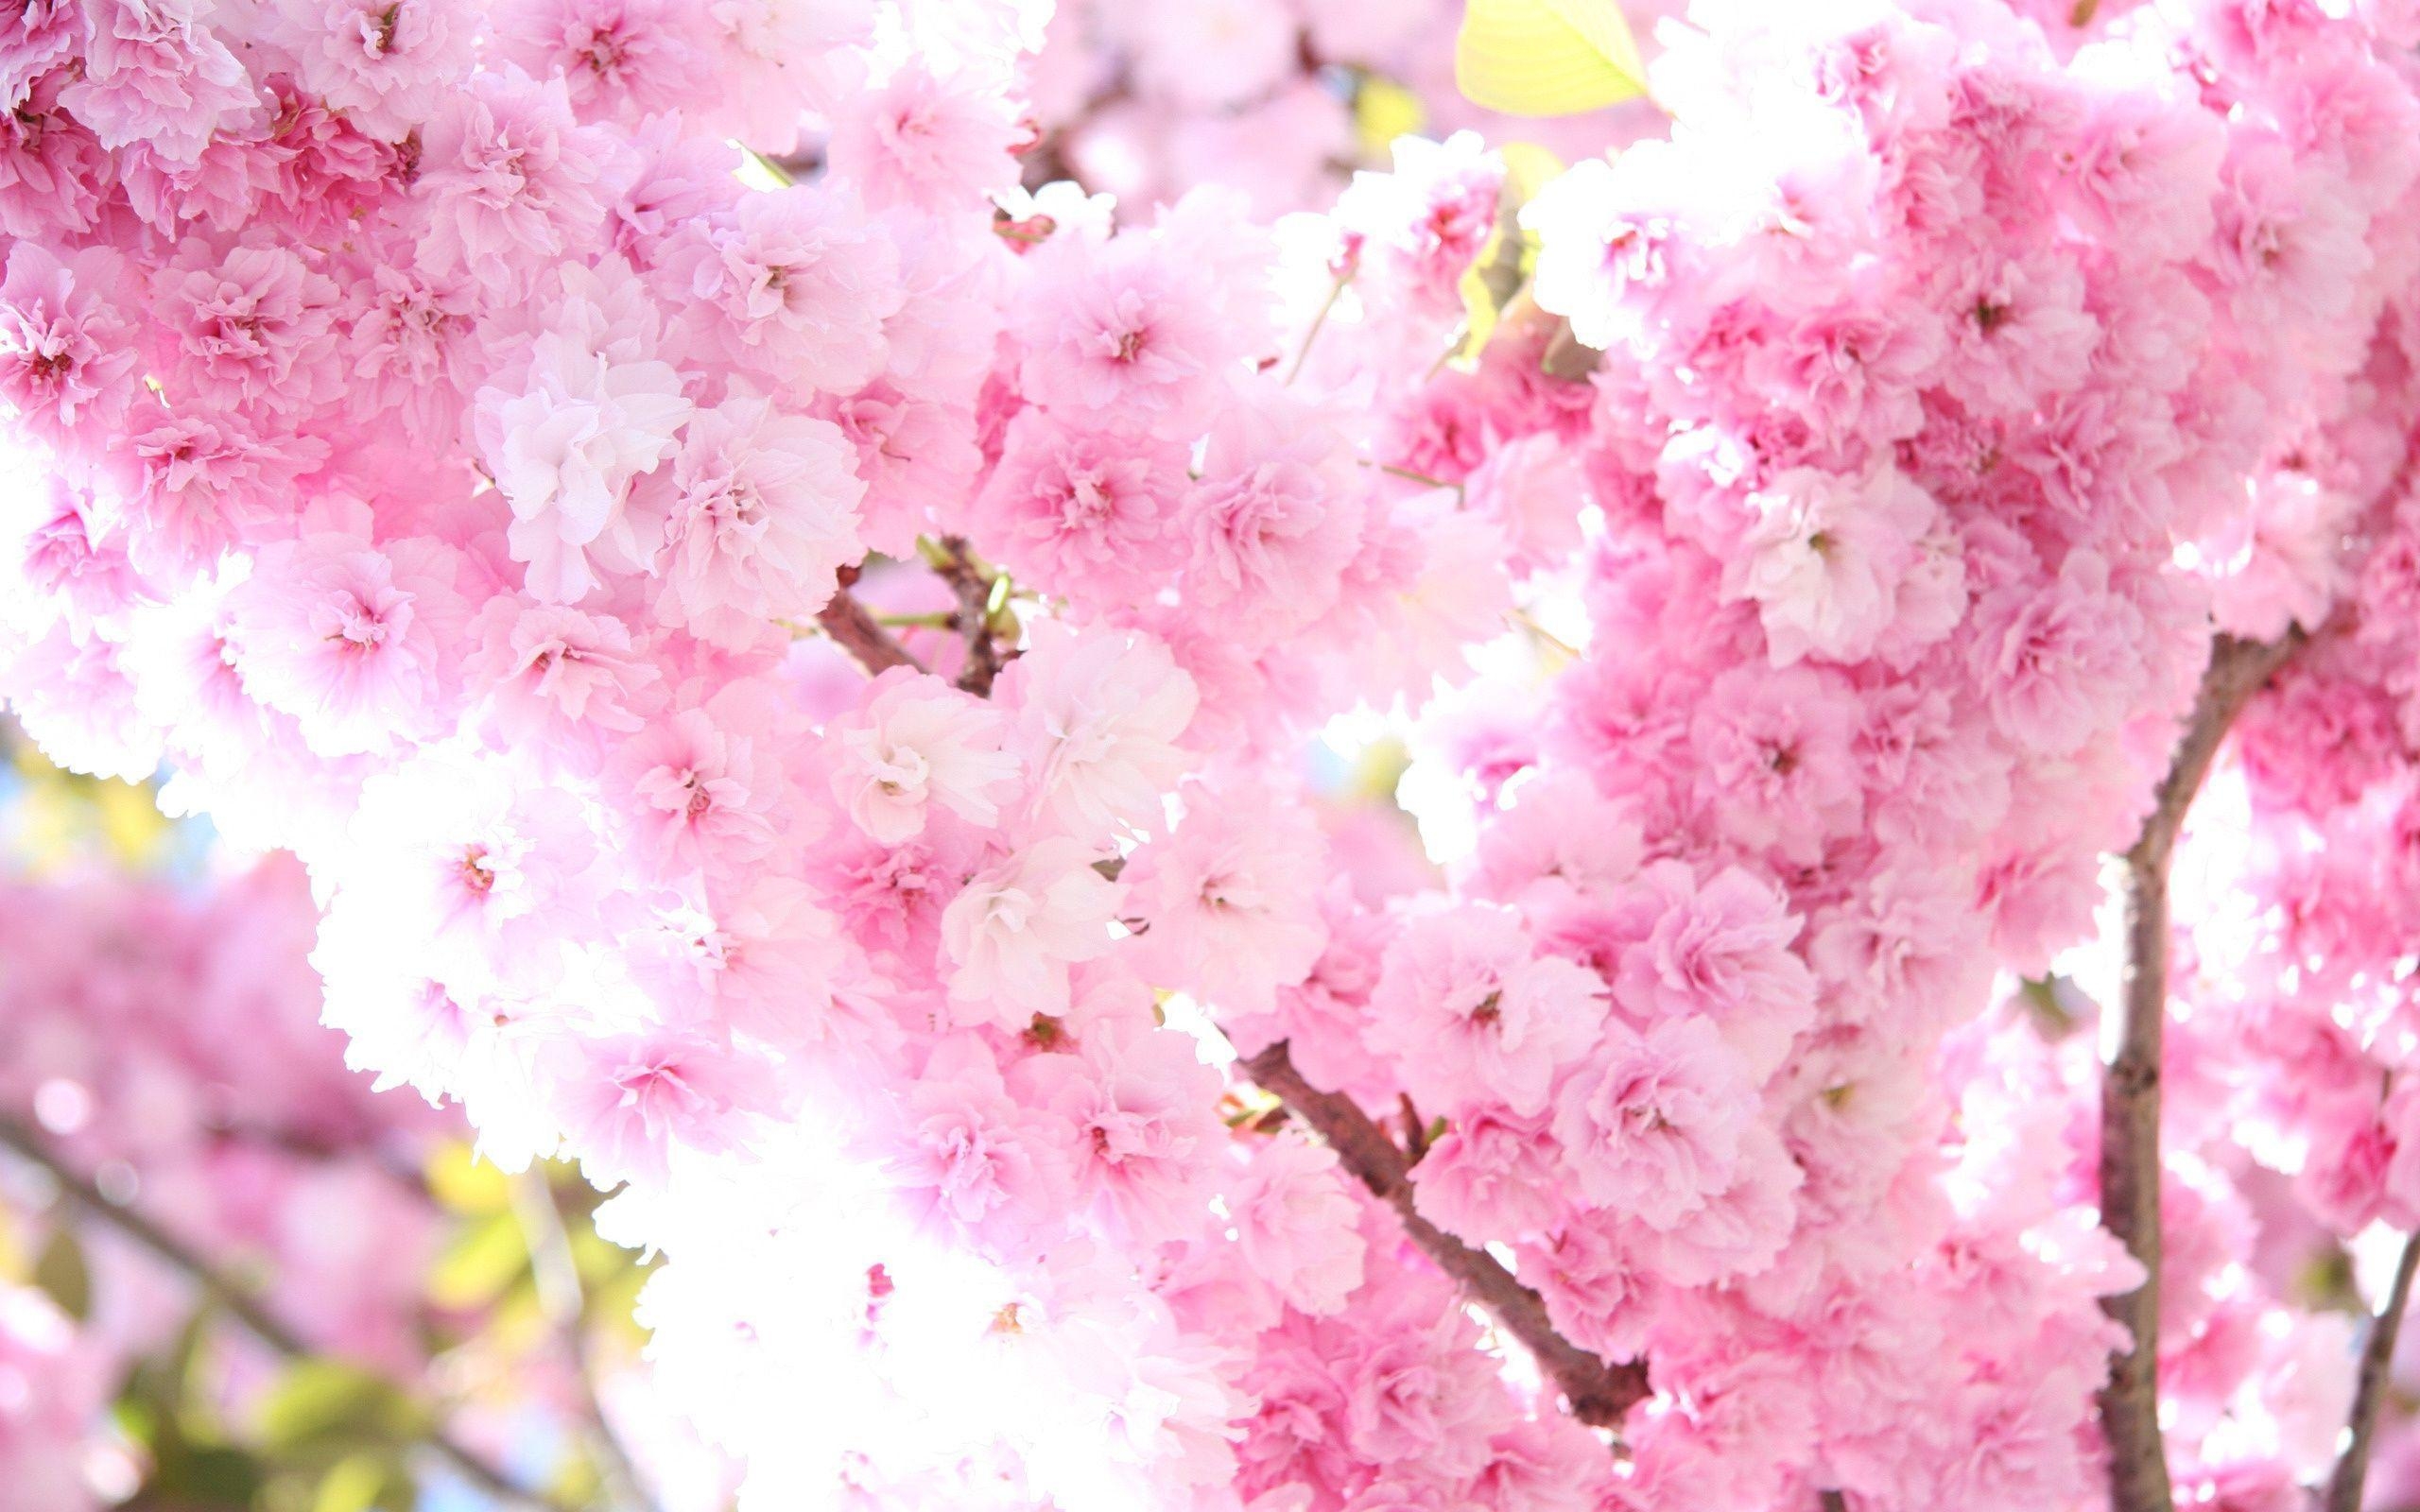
<point x="803" y="648"/>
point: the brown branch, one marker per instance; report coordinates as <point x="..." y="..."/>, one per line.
<point x="1597" y="1392"/>
<point x="1832" y="1502"/>
<point x="955" y="562"/>
<point x="2130" y="1099"/>
<point x="2353" y="1465"/>
<point x="241" y="1305"/>
<point x="854" y="631"/>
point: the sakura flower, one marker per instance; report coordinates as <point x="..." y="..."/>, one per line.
<point x="2058" y="662"/>
<point x="507" y="179"/>
<point x="968" y="1157"/>
<point x="1232" y="905"/>
<point x="67" y="353"/>
<point x="751" y="521"/>
<point x="1119" y="328"/>
<point x="619" y="59"/>
<point x="792" y="285"/>
<point x="929" y="141"/>
<point x="251" y="321"/>
<point x="1645" y="1122"/>
<point x="389" y="64"/>
<point x="919" y="742"/>
<point x="1097" y="510"/>
<point x="628" y="1102"/>
<point x="1719" y="951"/>
<point x="565" y="447"/>
<point x="353" y="640"/>
<point x="1098" y="714"/>
<point x="1015" y="927"/>
<point x="1276" y="518"/>
<point x="1472" y="1017"/>
<point x="700" y="787"/>
<point x="155" y="73"/>
<point x="557" y="681"/>
<point x="1142" y="1107"/>
<point x="1823" y="559"/>
<point x="493" y="880"/>
<point x="1295" y="1221"/>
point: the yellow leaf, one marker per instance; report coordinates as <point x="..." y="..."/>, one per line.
<point x="464" y="1183"/>
<point x="1546" y="57"/>
<point x="1383" y="111"/>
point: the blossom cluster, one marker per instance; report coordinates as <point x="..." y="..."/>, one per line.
<point x="462" y="462"/>
<point x="163" y="1042"/>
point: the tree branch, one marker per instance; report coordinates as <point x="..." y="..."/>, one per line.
<point x="241" y="1305"/>
<point x="1597" y="1392"/>
<point x="2130" y="1098"/>
<point x="955" y="562"/>
<point x="563" y="1300"/>
<point x="854" y="631"/>
<point x="2377" y="1352"/>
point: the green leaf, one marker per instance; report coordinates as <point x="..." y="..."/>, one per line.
<point x="1546" y="57"/>
<point x="321" y="1406"/>
<point x="63" y="1272"/>
<point x="204" y="1476"/>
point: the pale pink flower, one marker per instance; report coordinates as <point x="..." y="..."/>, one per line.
<point x="1274" y="520"/>
<point x="1232" y="899"/>
<point x="1492" y="1175"/>
<point x="1123" y="327"/>
<point x="558" y="682"/>
<point x="1296" y="1223"/>
<point x="1823" y="558"/>
<point x="1098" y="714"/>
<point x="918" y="742"/>
<point x="1649" y="1125"/>
<point x="564" y="444"/>
<point x="619" y="59"/>
<point x="1015" y="927"/>
<point x="929" y="141"/>
<point x="968" y="1158"/>
<point x="1094" y="512"/>
<point x="794" y="284"/>
<point x="67" y="350"/>
<point x="155" y="73"/>
<point x="1472" y="1015"/>
<point x="1718" y="950"/>
<point x="356" y="641"/>
<point x="389" y="64"/>
<point x="627" y="1103"/>
<point x="751" y="521"/>
<point x="700" y="787"/>
<point x="508" y="181"/>
<point x="1144" y="1110"/>
<point x="2058" y="663"/>
<point x="251" y="323"/>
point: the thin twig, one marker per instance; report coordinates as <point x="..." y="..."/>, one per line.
<point x="1318" y="322"/>
<point x="855" y="631"/>
<point x="2377" y="1352"/>
<point x="1597" y="1393"/>
<point x="2130" y="1099"/>
<point x="241" y="1305"/>
<point x="564" y="1301"/>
